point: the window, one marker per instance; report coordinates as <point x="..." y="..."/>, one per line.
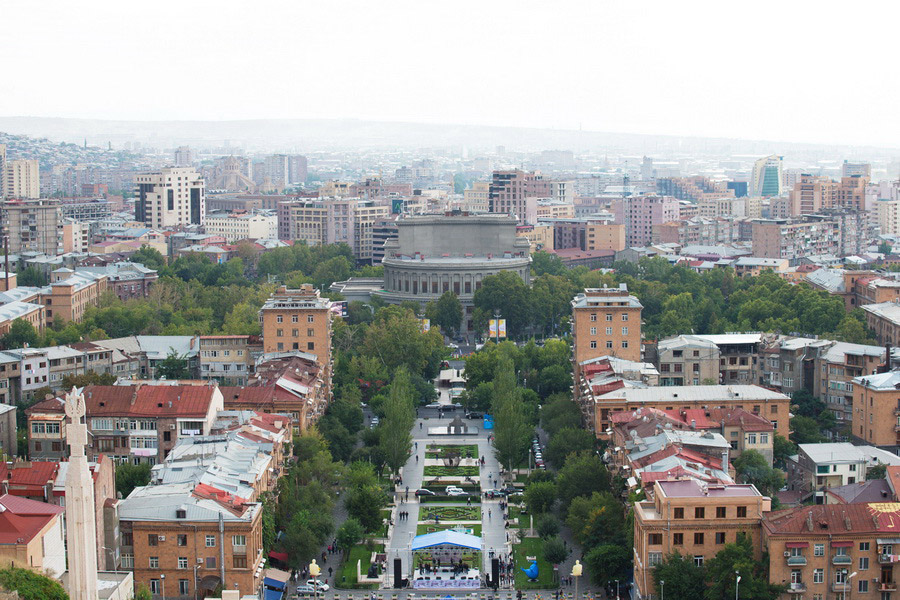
<point x="279" y="333"/>
<point x="295" y="333"/>
<point x="720" y="512"/>
<point x="624" y="344"/>
<point x="819" y="550"/>
<point x="698" y="539"/>
<point x="609" y="316"/>
<point x="654" y="539"/>
<point x="593" y="343"/>
<point x="239" y="540"/>
<point x="184" y="587"/>
<point x="310" y="318"/>
<point x="152" y="539"/>
<point x="678" y="513"/>
<point x="609" y="331"/>
<point x="310" y="345"/>
<point x="720" y="537"/>
<point x="654" y="558"/>
<point x="210" y="541"/>
<point x="819" y="576"/>
<point x="593" y="331"/>
<point x="864" y="546"/>
<point x="295" y="318"/>
<point x="127" y="538"/>
<point x="154" y="562"/>
<point x="182" y="562"/>
<point x="624" y="331"/>
<point x="863" y="585"/>
<point x="751" y="438"/>
<point x="699" y="512"/>
<point x="154" y="587"/>
<point x="609" y="344"/>
<point x="182" y="539"/>
<point x="127" y="561"/>
<point x="593" y="317"/>
<point x="210" y="562"/>
<point x="310" y="332"/>
<point x="863" y="563"/>
<point x="764" y="438"/>
<point x="742" y="512"/>
<point x="279" y="319"/>
<point x="239" y="562"/>
<point x="698" y="561"/>
<point x="677" y="539"/>
<point x="624" y="316"/>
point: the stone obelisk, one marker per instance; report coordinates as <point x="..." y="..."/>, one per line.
<point x="81" y="528"/>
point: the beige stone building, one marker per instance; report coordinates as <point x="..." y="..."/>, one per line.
<point x="22" y="179"/>
<point x="475" y="199"/>
<point x="606" y="322"/>
<point x="240" y="226"/>
<point x="884" y="320"/>
<point x="695" y="519"/>
<point x="336" y="220"/>
<point x="170" y="197"/>
<point x="539" y="236"/>
<point x="298" y="320"/>
<point x="31" y="536"/>
<point x="229" y="359"/>
<point x="688" y="360"/>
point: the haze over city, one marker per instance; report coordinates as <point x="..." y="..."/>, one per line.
<point x="449" y="301"/>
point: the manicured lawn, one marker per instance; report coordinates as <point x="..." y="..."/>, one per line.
<point x="451" y="513"/>
<point x="440" y="500"/>
<point x="442" y="471"/>
<point x="424" y="528"/>
<point x="383" y="530"/>
<point x="532" y="547"/>
<point x="346" y="574"/>
<point x="515" y="512"/>
<point x="466" y="451"/>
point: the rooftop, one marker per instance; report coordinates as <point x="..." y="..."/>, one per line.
<point x="695" y="393"/>
<point x="885" y="310"/>
<point x="691" y="488"/>
<point x="880" y="381"/>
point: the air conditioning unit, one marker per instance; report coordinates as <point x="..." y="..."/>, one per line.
<point x="172" y="426"/>
<point x="874" y="580"/>
<point x="161" y="538"/>
<point x="199" y="561"/>
<point x="786" y="554"/>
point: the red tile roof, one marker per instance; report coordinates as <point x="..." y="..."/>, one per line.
<point x="853" y="519"/>
<point x="738" y="417"/>
<point x="21" y="519"/>
<point x="28" y="479"/>
<point x="233" y="503"/>
<point x="141" y="400"/>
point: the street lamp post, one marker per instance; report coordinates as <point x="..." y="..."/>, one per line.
<point x="617" y="589"/>
<point x="662" y="589"/>
<point x="163" y="577"/>
<point x="847" y="582"/>
<point x="737" y="585"/>
<point x="314" y="571"/>
<point x="576" y="573"/>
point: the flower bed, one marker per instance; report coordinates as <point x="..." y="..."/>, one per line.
<point x="451" y="513"/>
<point x="465" y="451"/>
<point x="442" y="471"/>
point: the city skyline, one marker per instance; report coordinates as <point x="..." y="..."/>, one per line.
<point x="573" y="66"/>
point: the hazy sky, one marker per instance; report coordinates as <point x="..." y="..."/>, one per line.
<point x="786" y="70"/>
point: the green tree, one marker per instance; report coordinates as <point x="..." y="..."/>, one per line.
<point x="560" y="413"/>
<point x="511" y="431"/>
<point x="349" y="534"/>
<point x="448" y="313"/>
<point x="682" y="577"/>
<point x="364" y="503"/>
<point x="143" y="593"/>
<point x="31" y="277"/>
<point x="752" y="467"/>
<point x="555" y="550"/>
<point x="396" y="338"/>
<point x="738" y="557"/>
<point x="782" y="449"/>
<point x="507" y="293"/>
<point x="582" y="475"/>
<point x="31" y="585"/>
<point x="20" y="334"/>
<point x="540" y="496"/>
<point x="547" y="526"/>
<point x="90" y="378"/>
<point x="568" y="441"/>
<point x="805" y="430"/>
<point x="399" y="416"/>
<point x="150" y="258"/>
<point x="173" y="367"/>
<point x="242" y="320"/>
<point x="129" y="476"/>
<point x="608" y="563"/>
<point x="597" y="520"/>
<point x="877" y="472"/>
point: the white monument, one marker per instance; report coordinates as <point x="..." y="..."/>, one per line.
<point x="81" y="530"/>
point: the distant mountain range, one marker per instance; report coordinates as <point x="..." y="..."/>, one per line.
<point x="308" y="135"/>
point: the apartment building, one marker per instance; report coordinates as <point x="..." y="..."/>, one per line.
<point x="336" y="220"/>
<point x="242" y="226"/>
<point x="29" y="311"/>
<point x="751" y="266"/>
<point x="516" y="192"/>
<point x="72" y="293"/>
<point x="772" y="406"/>
<point x="606" y="322"/>
<point x="229" y="359"/>
<point x="818" y="467"/>
<point x="703" y="231"/>
<point x="738" y="356"/>
<point x="884" y="320"/>
<point x="22" y="179"/>
<point x="540" y="237"/>
<point x="476" y="199"/>
<point x="783" y="238"/>
<point x="766" y="178"/>
<point x="697" y="188"/>
<point x="170" y="197"/>
<point x="834" y="551"/>
<point x="837" y="366"/>
<point x="695" y="519"/>
<point x="586" y="233"/>
<point x="32" y="536"/>
<point x="33" y="225"/>
<point x="876" y="409"/>
<point x="297" y="320"/>
<point x="184" y="540"/>
<point x="787" y="364"/>
<point x="132" y="423"/>
<point x="640" y="214"/>
<point x="126" y="279"/>
<point x="687" y="360"/>
<point x="548" y="208"/>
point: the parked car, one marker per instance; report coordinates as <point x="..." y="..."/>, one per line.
<point x="323" y="587"/>
<point x="495" y="493"/>
<point x="305" y="590"/>
<point x="424" y="492"/>
<point x="437" y="405"/>
<point x="453" y="490"/>
<point x="374" y="422"/>
<point x="474" y="415"/>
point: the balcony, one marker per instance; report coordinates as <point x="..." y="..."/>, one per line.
<point x="885" y="559"/>
<point x="841" y="559"/>
<point x="888" y="586"/>
<point x="797" y="587"/>
<point x="840" y="587"/>
<point x="239" y="550"/>
<point x="796" y="561"/>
